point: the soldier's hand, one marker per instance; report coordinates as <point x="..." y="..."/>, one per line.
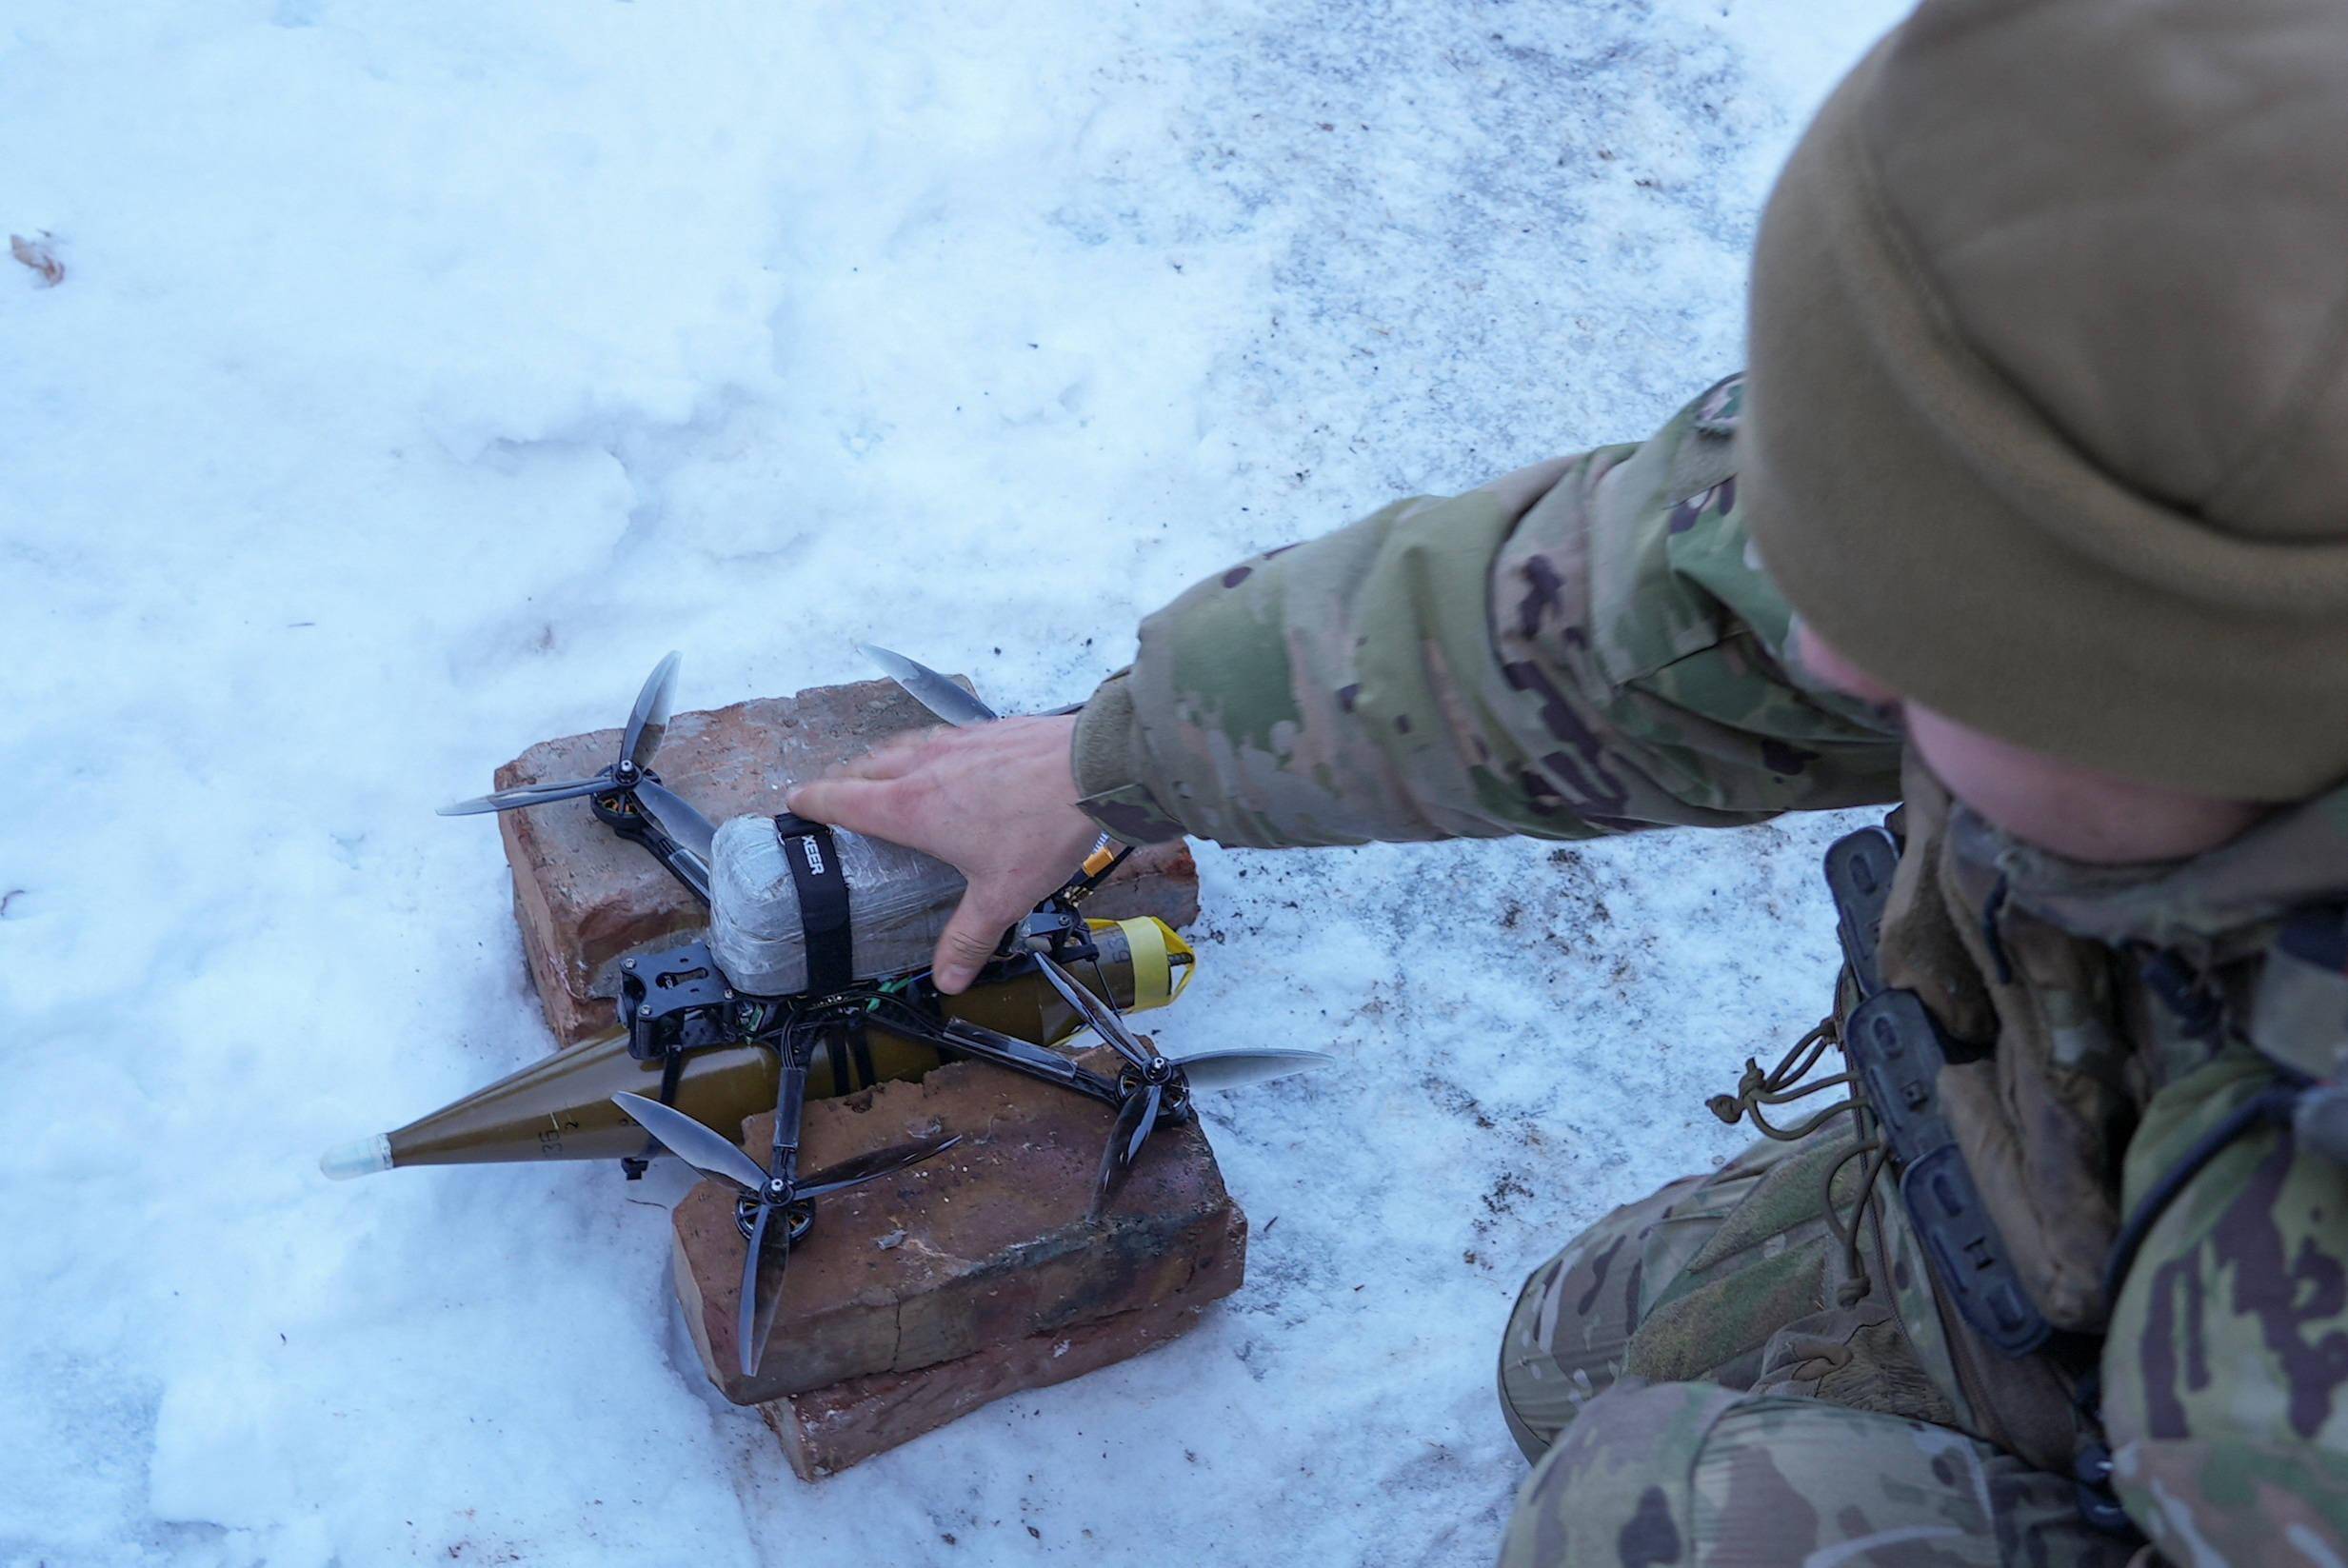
<point x="996" y="802"/>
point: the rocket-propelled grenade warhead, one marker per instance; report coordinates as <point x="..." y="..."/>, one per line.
<point x="561" y="1107"/>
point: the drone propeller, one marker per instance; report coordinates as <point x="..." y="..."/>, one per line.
<point x="1105" y="1019"/>
<point x="675" y="816"/>
<point x="770" y="1191"/>
<point x="872" y="1166"/>
<point x="941" y="696"/>
<point x="761" y="1283"/>
<point x="647" y="722"/>
<point x="1237" y="1069"/>
<point x="1153" y="1084"/>
<point x="700" y="1146"/>
<point x="632" y="787"/>
<point x="1135" y="1119"/>
<point x="522" y="795"/>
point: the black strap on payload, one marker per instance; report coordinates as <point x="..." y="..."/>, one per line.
<point x="815" y="860"/>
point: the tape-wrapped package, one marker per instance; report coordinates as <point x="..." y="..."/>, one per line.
<point x="899" y="902"/>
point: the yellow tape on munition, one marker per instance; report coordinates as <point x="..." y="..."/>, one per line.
<point x="1163" y="962"/>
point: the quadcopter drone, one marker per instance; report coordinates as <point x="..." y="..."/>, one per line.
<point x="679" y="1000"/>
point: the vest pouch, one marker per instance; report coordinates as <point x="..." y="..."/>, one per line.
<point x="1896" y="1046"/>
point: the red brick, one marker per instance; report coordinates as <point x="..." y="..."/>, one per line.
<point x="585" y="899"/>
<point x="826" y="1430"/>
<point x="990" y="1246"/>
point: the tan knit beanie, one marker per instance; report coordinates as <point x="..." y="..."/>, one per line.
<point x="2048" y="415"/>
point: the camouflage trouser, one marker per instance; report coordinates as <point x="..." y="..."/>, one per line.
<point x="1693" y="1390"/>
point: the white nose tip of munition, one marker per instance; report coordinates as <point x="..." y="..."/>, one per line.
<point x="361" y="1157"/>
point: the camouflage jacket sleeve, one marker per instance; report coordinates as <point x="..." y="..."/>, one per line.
<point x="2226" y="1372"/>
<point x="1585" y="646"/>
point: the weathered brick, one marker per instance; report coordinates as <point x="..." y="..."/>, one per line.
<point x="826" y="1430"/>
<point x="585" y="899"/>
<point x="994" y="1281"/>
<point x="972" y="1252"/>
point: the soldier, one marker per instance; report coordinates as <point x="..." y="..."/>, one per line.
<point x="2044" y="441"/>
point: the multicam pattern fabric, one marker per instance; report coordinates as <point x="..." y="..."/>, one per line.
<point x="1589" y="646"/>
<point x="1737" y="1279"/>
<point x="1723" y="1395"/>
<point x="2227" y="1358"/>
<point x="1580" y="647"/>
<point x="1695" y="1473"/>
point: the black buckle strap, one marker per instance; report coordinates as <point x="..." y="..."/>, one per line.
<point x="824" y="913"/>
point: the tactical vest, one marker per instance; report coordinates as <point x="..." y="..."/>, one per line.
<point x="2059" y="997"/>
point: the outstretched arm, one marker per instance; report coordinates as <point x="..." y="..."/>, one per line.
<point x="1585" y="646"/>
<point x="1581" y="647"/>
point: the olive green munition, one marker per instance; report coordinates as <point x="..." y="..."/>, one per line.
<point x="561" y="1107"/>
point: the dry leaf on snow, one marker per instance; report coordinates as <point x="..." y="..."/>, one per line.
<point x="40" y="255"/>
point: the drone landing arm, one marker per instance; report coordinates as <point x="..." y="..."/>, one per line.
<point x="681" y="862"/>
<point x="683" y="866"/>
<point x="791" y="1102"/>
<point x="983" y="1044"/>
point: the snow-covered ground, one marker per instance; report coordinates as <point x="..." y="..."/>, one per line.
<point x="422" y="370"/>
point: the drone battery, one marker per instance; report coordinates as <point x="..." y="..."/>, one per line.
<point x="760" y="875"/>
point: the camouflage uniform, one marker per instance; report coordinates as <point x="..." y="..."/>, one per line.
<point x="1757" y="1366"/>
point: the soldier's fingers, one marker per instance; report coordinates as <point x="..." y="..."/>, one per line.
<point x="969" y="939"/>
<point x="892" y="759"/>
<point x="870" y="806"/>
